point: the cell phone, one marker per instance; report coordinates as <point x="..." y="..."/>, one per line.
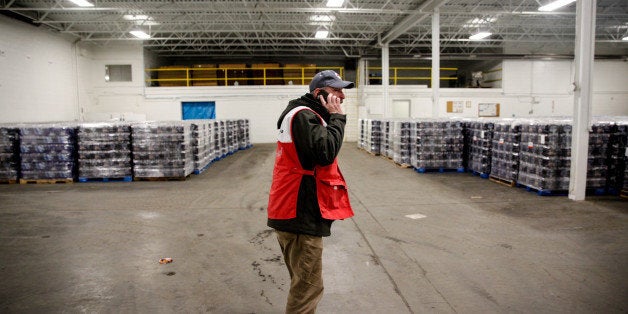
<point x="323" y="93"/>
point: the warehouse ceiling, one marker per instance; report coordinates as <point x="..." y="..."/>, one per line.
<point x="281" y="29"/>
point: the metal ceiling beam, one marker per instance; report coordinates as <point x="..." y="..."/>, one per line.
<point x="409" y="21"/>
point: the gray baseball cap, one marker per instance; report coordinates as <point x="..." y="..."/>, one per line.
<point x="329" y="78"/>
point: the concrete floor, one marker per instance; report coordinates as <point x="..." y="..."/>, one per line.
<point x="481" y="247"/>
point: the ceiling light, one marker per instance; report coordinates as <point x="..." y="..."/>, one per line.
<point x="479" y="21"/>
<point x="335" y="3"/>
<point x="82" y="3"/>
<point x="133" y="17"/>
<point x="322" y="18"/>
<point x="139" y="34"/>
<point x="480" y="35"/>
<point x="321" y="34"/>
<point x="625" y="38"/>
<point x="555" y="5"/>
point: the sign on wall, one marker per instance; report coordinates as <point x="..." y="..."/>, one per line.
<point x="488" y="110"/>
<point x="455" y="106"/>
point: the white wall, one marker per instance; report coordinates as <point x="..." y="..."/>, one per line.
<point x="101" y="100"/>
<point x="530" y="89"/>
<point x="262" y="105"/>
<point x="37" y="74"/>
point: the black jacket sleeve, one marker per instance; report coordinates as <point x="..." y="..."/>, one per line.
<point x="315" y="143"/>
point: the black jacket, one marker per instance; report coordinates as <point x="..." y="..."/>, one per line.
<point x="315" y="145"/>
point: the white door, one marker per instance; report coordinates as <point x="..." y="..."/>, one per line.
<point x="401" y="108"/>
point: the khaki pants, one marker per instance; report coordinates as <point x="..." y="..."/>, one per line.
<point x="303" y="255"/>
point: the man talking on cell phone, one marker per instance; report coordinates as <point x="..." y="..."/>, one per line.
<point x="308" y="191"/>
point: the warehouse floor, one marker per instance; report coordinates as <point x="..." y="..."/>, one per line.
<point x="480" y="247"/>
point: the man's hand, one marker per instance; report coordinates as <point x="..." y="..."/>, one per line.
<point x="332" y="103"/>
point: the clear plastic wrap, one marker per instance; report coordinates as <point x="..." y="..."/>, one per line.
<point x="48" y="151"/>
<point x="104" y="151"/>
<point x="401" y="142"/>
<point x="437" y="144"/>
<point x="243" y="134"/>
<point x="505" y="150"/>
<point x="545" y="154"/>
<point x="162" y="149"/>
<point x="373" y="140"/>
<point x="9" y="153"/>
<point x="362" y="133"/>
<point x="479" y="137"/>
<point x="202" y="143"/>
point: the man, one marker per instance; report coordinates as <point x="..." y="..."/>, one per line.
<point x="308" y="191"/>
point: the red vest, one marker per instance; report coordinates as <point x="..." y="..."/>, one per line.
<point x="331" y="188"/>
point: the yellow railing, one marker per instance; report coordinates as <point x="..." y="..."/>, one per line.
<point x="418" y="74"/>
<point x="224" y="76"/>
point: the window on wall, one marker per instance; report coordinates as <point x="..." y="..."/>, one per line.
<point x="118" y="73"/>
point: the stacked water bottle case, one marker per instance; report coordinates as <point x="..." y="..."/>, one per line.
<point x="202" y="144"/>
<point x="243" y="136"/>
<point x="222" y="146"/>
<point x="617" y="154"/>
<point x="545" y="155"/>
<point x="373" y="139"/>
<point x="232" y="136"/>
<point x="402" y="142"/>
<point x="534" y="153"/>
<point x="437" y="144"/>
<point x="480" y="140"/>
<point x="104" y="151"/>
<point x="9" y="154"/>
<point x="162" y="149"/>
<point x="48" y="152"/>
<point x="598" y="161"/>
<point x="386" y="148"/>
<point x="505" y="151"/>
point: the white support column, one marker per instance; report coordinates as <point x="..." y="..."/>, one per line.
<point x="363" y="72"/>
<point x="584" y="55"/>
<point x="385" y="81"/>
<point x="435" y="62"/>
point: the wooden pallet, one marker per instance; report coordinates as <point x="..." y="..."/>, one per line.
<point x="160" y="178"/>
<point x="623" y="194"/>
<point x="404" y="166"/>
<point x="8" y="181"/>
<point x="510" y="183"/>
<point x="46" y="181"/>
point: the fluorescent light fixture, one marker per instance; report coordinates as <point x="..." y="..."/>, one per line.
<point x="321" y="34"/>
<point x="133" y="17"/>
<point x="555" y="5"/>
<point x="475" y="22"/>
<point x="335" y="3"/>
<point x="322" y="18"/>
<point x="82" y="3"/>
<point x="625" y="38"/>
<point x="480" y="35"/>
<point x="140" y="19"/>
<point x="139" y="34"/>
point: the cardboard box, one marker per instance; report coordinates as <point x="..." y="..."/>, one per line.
<point x="175" y="74"/>
<point x="274" y="75"/>
<point x="296" y="73"/>
<point x="235" y="72"/>
<point x="204" y="75"/>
